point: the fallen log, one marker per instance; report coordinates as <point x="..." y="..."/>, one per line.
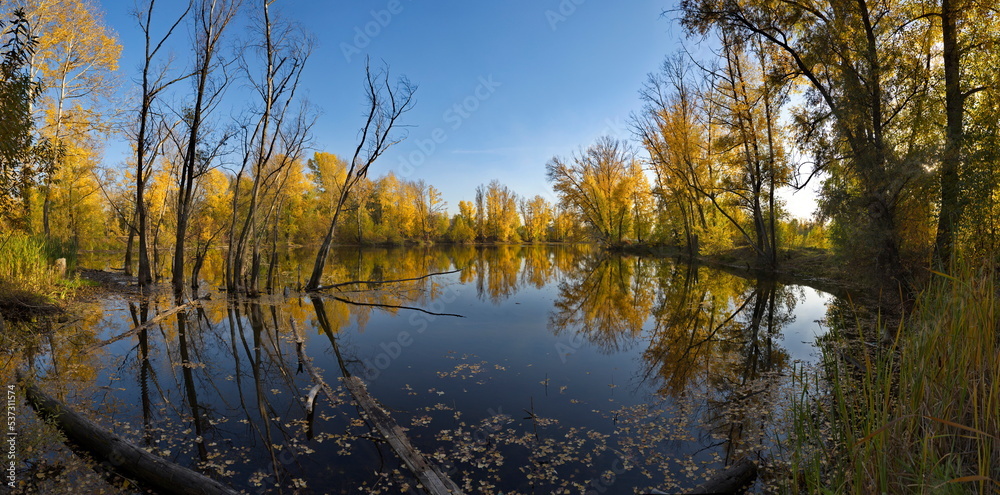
<point x="434" y="481"/>
<point x="118" y="454"/>
<point x="734" y="479"/>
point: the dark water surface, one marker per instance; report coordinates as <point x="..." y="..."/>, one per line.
<point x="570" y="370"/>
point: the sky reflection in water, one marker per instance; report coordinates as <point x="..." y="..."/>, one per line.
<point x="571" y="369"/>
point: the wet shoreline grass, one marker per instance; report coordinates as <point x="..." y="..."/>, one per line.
<point x="30" y="283"/>
<point x="916" y="412"/>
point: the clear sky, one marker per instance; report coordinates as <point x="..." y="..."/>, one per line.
<point x="502" y="86"/>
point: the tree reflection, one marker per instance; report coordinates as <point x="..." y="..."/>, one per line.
<point x="716" y="331"/>
<point x="606" y="299"/>
<point x="714" y="336"/>
<point x="223" y="387"/>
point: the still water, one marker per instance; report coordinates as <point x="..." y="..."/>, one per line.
<point x="532" y="370"/>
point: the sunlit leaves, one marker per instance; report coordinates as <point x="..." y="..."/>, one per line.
<point x="605" y="185"/>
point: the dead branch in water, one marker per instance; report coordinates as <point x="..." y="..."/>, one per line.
<point x="145" y="326"/>
<point x="392" y="306"/>
<point x="354" y="282"/>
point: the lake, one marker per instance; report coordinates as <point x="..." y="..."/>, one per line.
<point x="534" y="369"/>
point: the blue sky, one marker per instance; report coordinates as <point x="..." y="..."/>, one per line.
<point x="503" y="86"/>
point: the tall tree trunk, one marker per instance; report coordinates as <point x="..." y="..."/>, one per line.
<point x="128" y="249"/>
<point x="951" y="206"/>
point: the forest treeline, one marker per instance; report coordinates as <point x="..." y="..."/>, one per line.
<point x="890" y="104"/>
<point x="199" y="179"/>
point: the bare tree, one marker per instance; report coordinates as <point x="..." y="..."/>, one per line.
<point x="274" y="137"/>
<point x="386" y="103"/>
<point x="154" y="81"/>
<point x="211" y="19"/>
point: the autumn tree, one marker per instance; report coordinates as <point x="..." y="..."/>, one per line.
<point x="602" y="184"/>
<point x="480" y="215"/>
<point x="537" y="215"/>
<point x="863" y="79"/>
<point x="500" y="218"/>
<point x="76" y="61"/>
<point x="746" y="156"/>
<point x="462" y="228"/>
<point x="674" y="129"/>
<point x="327" y="173"/>
<point x="429" y="208"/>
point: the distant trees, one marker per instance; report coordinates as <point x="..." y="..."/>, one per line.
<point x="501" y="219"/>
<point x="606" y="186"/>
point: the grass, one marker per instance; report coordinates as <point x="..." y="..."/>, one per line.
<point x="917" y="414"/>
<point x="28" y="278"/>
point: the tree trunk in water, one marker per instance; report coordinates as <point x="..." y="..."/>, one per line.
<point x="128" y="252"/>
<point x="145" y="273"/>
<point x="324" y="250"/>
<point x="177" y="279"/>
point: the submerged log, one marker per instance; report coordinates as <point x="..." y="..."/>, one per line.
<point x="120" y="455"/>
<point x="434" y="481"/>
<point x="734" y="479"/>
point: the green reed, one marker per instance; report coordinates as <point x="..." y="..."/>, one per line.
<point x="918" y="412"/>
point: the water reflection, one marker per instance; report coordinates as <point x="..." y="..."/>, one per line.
<point x="224" y="386"/>
<point x="715" y="330"/>
<point x="605" y="299"/>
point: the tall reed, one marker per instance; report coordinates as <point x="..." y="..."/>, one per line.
<point x="26" y="264"/>
<point x="920" y="414"/>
